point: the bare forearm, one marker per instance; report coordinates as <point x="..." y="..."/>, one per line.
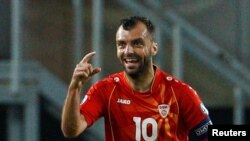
<point x="72" y="123"/>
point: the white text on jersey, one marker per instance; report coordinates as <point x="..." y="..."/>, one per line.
<point x="123" y="101"/>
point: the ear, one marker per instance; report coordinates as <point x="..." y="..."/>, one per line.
<point x="154" y="49"/>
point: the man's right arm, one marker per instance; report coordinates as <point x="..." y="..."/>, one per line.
<point x="73" y="123"/>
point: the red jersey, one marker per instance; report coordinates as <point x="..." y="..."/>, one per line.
<point x="168" y="112"/>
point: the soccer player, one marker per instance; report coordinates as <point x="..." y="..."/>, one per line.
<point x="141" y="103"/>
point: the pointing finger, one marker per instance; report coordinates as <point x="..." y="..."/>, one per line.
<point x="87" y="57"/>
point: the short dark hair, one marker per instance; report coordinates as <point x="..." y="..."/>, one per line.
<point x="129" y="23"/>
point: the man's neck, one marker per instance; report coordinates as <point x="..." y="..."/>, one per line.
<point x="142" y="83"/>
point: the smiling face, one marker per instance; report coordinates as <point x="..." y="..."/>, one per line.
<point x="135" y="48"/>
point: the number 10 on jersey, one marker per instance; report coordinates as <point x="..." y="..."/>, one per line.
<point x="141" y="129"/>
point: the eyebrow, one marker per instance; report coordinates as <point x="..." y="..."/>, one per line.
<point x="133" y="40"/>
<point x="137" y="39"/>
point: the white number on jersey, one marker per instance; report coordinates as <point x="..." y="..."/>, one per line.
<point x="141" y="128"/>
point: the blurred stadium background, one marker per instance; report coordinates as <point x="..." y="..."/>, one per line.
<point x="204" y="43"/>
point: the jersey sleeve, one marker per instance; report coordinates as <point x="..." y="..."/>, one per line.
<point x="92" y="105"/>
<point x="194" y="112"/>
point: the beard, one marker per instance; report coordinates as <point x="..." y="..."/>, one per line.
<point x="138" y="70"/>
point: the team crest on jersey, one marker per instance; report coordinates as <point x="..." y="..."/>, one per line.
<point x="163" y="110"/>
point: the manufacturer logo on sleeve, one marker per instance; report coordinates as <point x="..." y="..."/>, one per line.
<point x="204" y="109"/>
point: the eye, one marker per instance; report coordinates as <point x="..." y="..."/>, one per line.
<point x="137" y="43"/>
<point x="120" y="45"/>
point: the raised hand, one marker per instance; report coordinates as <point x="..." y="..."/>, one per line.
<point x="83" y="71"/>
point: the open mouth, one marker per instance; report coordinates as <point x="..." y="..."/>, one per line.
<point x="131" y="62"/>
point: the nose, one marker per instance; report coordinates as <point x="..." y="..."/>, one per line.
<point x="129" y="49"/>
